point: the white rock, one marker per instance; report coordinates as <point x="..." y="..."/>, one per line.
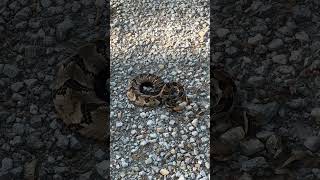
<point x="161" y="66"/>
<point x="164" y="117"/>
<point x="119" y="124"/>
<point x="143" y="114"/>
<point x="153" y="135"/>
<point x="194" y="133"/>
<point x="124" y="164"/>
<point x="164" y="172"/>
<point x="148" y="161"/>
<point x="194" y="122"/>
<point x="143" y="143"/>
<point x="150" y="122"/>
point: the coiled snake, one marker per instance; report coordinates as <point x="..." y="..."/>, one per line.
<point x="149" y="90"/>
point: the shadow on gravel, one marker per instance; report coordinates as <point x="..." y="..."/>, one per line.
<point x="35" y="36"/>
<point x="271" y="51"/>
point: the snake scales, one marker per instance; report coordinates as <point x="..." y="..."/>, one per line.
<point x="79" y="91"/>
<point x="149" y="90"/>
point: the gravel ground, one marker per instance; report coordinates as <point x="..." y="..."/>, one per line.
<point x="169" y="39"/>
<point x="270" y="47"/>
<point x="272" y="50"/>
<point x="34" y="37"/>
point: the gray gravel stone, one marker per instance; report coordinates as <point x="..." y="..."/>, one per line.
<point x="231" y="50"/>
<point x="302" y="11"/>
<point x="34" y="142"/>
<point x="60" y="2"/>
<point x="143" y="114"/>
<point x="6" y="164"/>
<point x="254" y="164"/>
<point x="233" y="136"/>
<point x="268" y="110"/>
<point x="16" y="87"/>
<point x="18" y="128"/>
<point x="296" y="103"/>
<point x="1" y="68"/>
<point x="36" y="121"/>
<point x="256" y="39"/>
<point x="60" y="169"/>
<point x="5" y="147"/>
<point x="54" y="125"/>
<point x="275" y="44"/>
<point x="100" y="155"/>
<point x="316" y="172"/>
<point x="17" y="171"/>
<point x="256" y="81"/>
<point x="148" y="161"/>
<point x="280" y="59"/>
<point x="312" y="143"/>
<point x="74" y="143"/>
<point x="30" y="82"/>
<point x="57" y="177"/>
<point x="76" y="6"/>
<point x="16" y="97"/>
<point x="33" y="109"/>
<point x="103" y="168"/>
<point x="23" y="14"/>
<point x="85" y="176"/>
<point x="264" y="135"/>
<point x="284" y="69"/>
<point x="4" y="115"/>
<point x="22" y="25"/>
<point x="55" y="10"/>
<point x="245" y="176"/>
<point x="100" y="3"/>
<point x="23" y="2"/>
<point x="17" y="140"/>
<point x="63" y="29"/>
<point x="251" y="146"/>
<point x="45" y="3"/>
<point x="302" y="36"/>
<point x="3" y="3"/>
<point x="315" y="45"/>
<point x="10" y="70"/>
<point x="86" y="3"/>
<point x="222" y="32"/>
<point x="296" y="56"/>
<point x="119" y="124"/>
<point x="62" y="141"/>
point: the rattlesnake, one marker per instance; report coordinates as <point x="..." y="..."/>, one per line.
<point x="149" y="90"/>
<point x="79" y="91"/>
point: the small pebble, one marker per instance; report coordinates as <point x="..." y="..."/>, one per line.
<point x="164" y="172"/>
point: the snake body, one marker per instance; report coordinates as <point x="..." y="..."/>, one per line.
<point x="171" y="94"/>
<point x="79" y="93"/>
